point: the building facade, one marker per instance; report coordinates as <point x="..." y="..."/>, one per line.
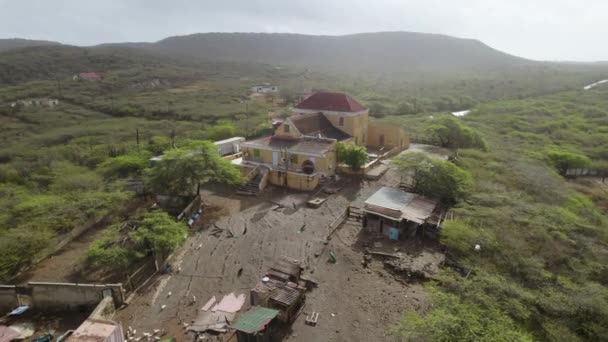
<point x="302" y="150"/>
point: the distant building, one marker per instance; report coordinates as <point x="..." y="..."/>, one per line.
<point x="89" y="76"/>
<point x="36" y="102"/>
<point x="265" y="89"/>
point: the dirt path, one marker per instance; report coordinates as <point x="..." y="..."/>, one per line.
<point x="66" y="264"/>
<point x="365" y="303"/>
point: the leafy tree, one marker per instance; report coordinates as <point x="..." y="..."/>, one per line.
<point x="106" y="253"/>
<point x="130" y="164"/>
<point x="158" y="144"/>
<point x="19" y="246"/>
<point x="158" y="233"/>
<point x="462" y="237"/>
<point x="222" y="130"/>
<point x="436" y="178"/>
<point x="405" y="108"/>
<point x="452" y="133"/>
<point x="563" y="160"/>
<point x="352" y="155"/>
<point x="182" y="171"/>
<point x="378" y="109"/>
<point x="454" y="320"/>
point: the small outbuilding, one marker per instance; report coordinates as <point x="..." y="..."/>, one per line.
<point x="255" y="325"/>
<point x="281" y="288"/>
<point x="394" y="212"/>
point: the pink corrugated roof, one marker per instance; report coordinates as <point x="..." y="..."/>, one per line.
<point x="7" y="334"/>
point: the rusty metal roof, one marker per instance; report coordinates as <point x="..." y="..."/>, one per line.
<point x="288" y="266"/>
<point x="279" y="291"/>
<point x="399" y="204"/>
<point x="316" y="124"/>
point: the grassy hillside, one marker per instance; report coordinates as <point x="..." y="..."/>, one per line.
<point x="16" y="43"/>
<point x="541" y="273"/>
<point x="378" y="52"/>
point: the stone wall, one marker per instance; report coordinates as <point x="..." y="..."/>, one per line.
<point x="58" y="296"/>
<point x="8" y="299"/>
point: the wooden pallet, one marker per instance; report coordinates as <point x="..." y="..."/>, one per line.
<point x="312" y="319"/>
<point x="316" y="202"/>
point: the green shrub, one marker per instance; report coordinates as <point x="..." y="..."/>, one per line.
<point x="352" y="155"/>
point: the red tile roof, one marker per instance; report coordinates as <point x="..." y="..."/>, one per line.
<point x="336" y="102"/>
<point x="91" y="74"/>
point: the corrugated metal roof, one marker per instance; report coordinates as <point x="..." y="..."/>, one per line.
<point x="316" y="124"/>
<point x="279" y="291"/>
<point x="229" y="140"/>
<point x="254" y="320"/>
<point x="399" y="204"/>
<point x="390" y="198"/>
<point x="293" y="145"/>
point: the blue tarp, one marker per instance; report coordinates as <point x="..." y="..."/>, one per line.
<point x="393" y="233"/>
<point x="19" y="310"/>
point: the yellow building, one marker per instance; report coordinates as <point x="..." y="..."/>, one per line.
<point x="302" y="150"/>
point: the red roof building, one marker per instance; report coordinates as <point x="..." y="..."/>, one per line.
<point x="90" y="75"/>
<point x="333" y="102"/>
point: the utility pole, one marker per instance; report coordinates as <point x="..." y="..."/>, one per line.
<point x="246" y="118"/>
<point x="59" y="88"/>
<point x="137" y="138"/>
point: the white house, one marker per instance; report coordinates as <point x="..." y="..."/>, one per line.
<point x="265" y="89"/>
<point x="36" y="102"/>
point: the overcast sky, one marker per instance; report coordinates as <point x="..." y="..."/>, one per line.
<point x="537" y="29"/>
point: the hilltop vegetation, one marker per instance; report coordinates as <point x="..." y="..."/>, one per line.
<point x="541" y="273"/>
<point x="16" y="43"/>
<point x="381" y="52"/>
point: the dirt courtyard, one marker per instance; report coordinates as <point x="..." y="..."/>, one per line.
<point x="355" y="303"/>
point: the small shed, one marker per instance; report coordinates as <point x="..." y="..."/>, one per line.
<point x="255" y="325"/>
<point x="281" y="288"/>
<point x="394" y="212"/>
<point x="229" y="146"/>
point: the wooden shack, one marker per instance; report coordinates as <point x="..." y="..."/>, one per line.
<point x="281" y="288"/>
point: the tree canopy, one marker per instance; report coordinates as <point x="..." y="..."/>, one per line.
<point x="564" y="160"/>
<point x="182" y="171"/>
<point x="435" y="178"/>
<point x="352" y="155"/>
<point x="455" y="320"/>
<point x="450" y="132"/>
<point x="159" y="233"/>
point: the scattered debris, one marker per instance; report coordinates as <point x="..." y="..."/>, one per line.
<point x="332" y="258"/>
<point x="423" y="266"/>
<point x="312" y="319"/>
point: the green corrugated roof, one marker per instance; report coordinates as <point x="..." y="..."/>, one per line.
<point x="255" y="319"/>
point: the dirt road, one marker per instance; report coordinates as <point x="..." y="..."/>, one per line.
<point x="355" y="304"/>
